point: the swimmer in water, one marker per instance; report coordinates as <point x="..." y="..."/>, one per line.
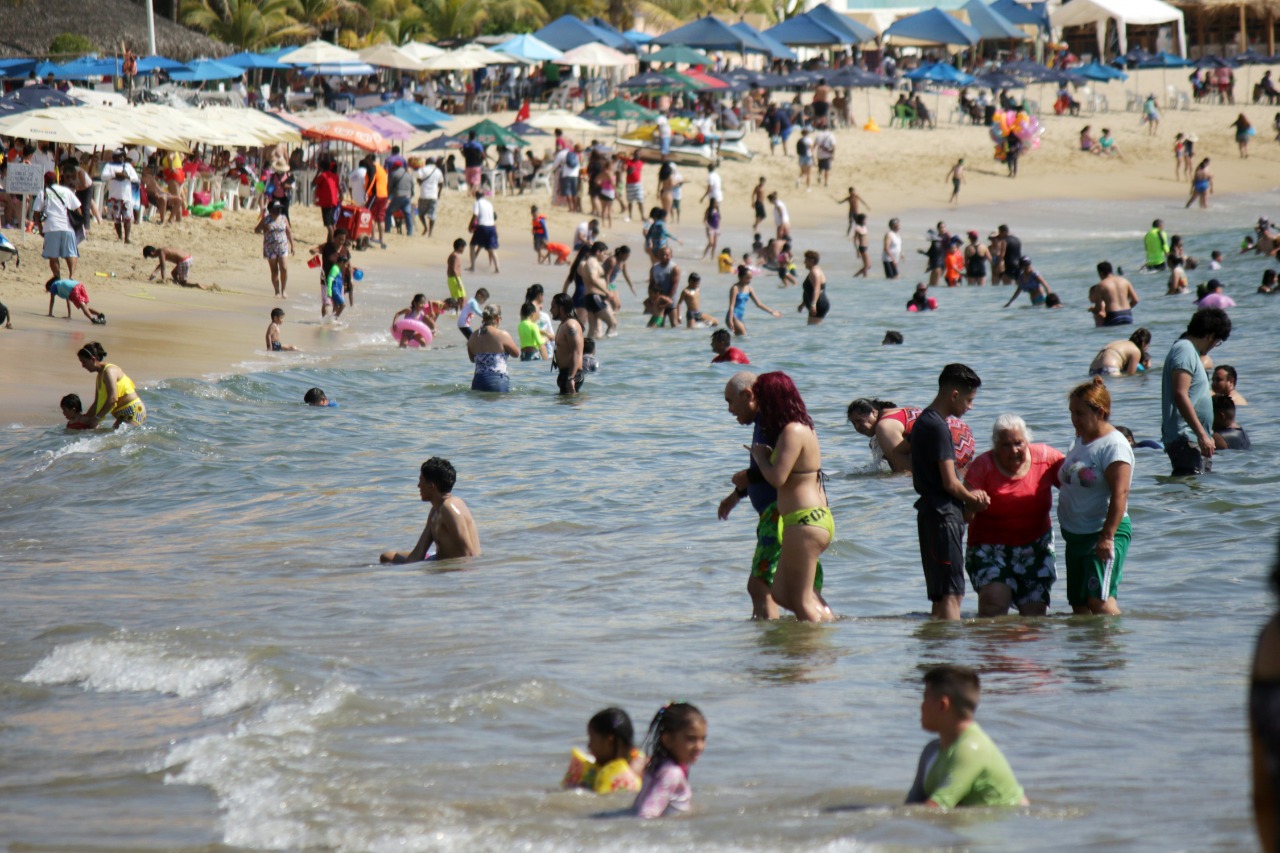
<point x="739" y="295"/>
<point x="316" y="397"/>
<point x="450" y="527"/>
<point x="1123" y="358"/>
<point x="418" y="312"/>
<point x="1112" y="299"/>
<point x="1031" y="283"/>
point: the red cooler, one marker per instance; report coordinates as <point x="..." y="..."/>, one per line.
<point x="356" y="221"/>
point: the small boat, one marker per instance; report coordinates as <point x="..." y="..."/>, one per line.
<point x="684" y="149"/>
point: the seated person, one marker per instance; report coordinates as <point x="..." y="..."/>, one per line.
<point x="1088" y="144"/>
<point x="962" y="767"/>
<point x="1227" y="434"/>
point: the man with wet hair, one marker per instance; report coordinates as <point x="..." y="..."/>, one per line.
<point x="449" y="527"/>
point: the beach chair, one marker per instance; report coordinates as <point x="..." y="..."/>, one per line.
<point x="480" y="104"/>
<point x="904" y="115"/>
<point x="561" y="97"/>
<point x="542" y="177"/>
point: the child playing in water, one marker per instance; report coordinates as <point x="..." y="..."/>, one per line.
<point x="539" y="229"/>
<point x="75" y="294"/>
<point x="334" y="286"/>
<point x="417" y="311"/>
<point x="316" y="397"/>
<point x="725" y="352"/>
<point x="693" y="304"/>
<point x="590" y="363"/>
<point x="725" y="260"/>
<point x="453" y="271"/>
<point x="72" y="410"/>
<point x="786" y="267"/>
<point x="181" y="264"/>
<point x="533" y="344"/>
<point x="614" y="764"/>
<point x="677" y="736"/>
<point x="962" y="767"/>
<point x="273" y="333"/>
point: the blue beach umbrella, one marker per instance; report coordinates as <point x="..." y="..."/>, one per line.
<point x="423" y="118"/>
<point x="33" y="98"/>
<point x="207" y="69"/>
<point x="14" y="68"/>
<point x="934" y="26"/>
<point x="530" y="47"/>
<point x="637" y="38"/>
<point x="1100" y="73"/>
<point x="940" y="72"/>
<point x="777" y="50"/>
<point x="159" y="63"/>
<point x="246" y="59"/>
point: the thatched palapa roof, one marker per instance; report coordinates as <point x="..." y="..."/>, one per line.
<point x="29" y="27"/>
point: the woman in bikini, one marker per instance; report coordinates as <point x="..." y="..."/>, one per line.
<point x="1123" y="358"/>
<point x="791" y="461"/>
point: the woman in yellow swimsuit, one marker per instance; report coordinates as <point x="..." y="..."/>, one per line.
<point x="791" y="461"/>
<point x="114" y="393"/>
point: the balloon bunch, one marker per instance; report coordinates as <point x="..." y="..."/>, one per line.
<point x="1019" y="124"/>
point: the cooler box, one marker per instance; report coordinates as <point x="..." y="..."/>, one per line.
<point x="356" y="221"/>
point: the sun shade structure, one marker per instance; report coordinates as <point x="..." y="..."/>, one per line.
<point x="530" y="48"/>
<point x="559" y="119"/>
<point x="387" y="55"/>
<point x="33" y="98"/>
<point x="658" y="82"/>
<point x="389" y="127"/>
<point x="992" y="25"/>
<point x="1163" y="59"/>
<point x="349" y="131"/>
<point x="318" y="52"/>
<point x="161" y="63"/>
<point x="680" y="54"/>
<point x="832" y="19"/>
<point x="411" y="112"/>
<point x="804" y="31"/>
<point x="1100" y="73"/>
<point x="420" y="50"/>
<point x="712" y="34"/>
<point x="776" y="49"/>
<point x="489" y="132"/>
<point x="567" y="32"/>
<point x="934" y="26"/>
<point x="207" y="69"/>
<point x="1080" y="13"/>
<point x="454" y="61"/>
<point x="246" y="59"/>
<point x="940" y="72"/>
<point x="1033" y="15"/>
<point x="620" y="109"/>
<point x="596" y="55"/>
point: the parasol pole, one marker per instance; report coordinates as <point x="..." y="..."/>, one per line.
<point x="151" y="27"/>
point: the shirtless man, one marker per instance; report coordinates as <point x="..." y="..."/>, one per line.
<point x="853" y="200"/>
<point x="1123" y="358"/>
<point x="757" y="201"/>
<point x="596" y="300"/>
<point x="1112" y="298"/>
<point x="664" y="285"/>
<point x="569" y="342"/>
<point x="781" y="218"/>
<point x="450" y="526"/>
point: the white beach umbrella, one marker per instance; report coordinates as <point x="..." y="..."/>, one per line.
<point x="318" y="52"/>
<point x="70" y="125"/>
<point x="420" y="50"/>
<point x="563" y="120"/>
<point x="490" y="57"/>
<point x="387" y="55"/>
<point x="596" y="55"/>
<point x="453" y="61"/>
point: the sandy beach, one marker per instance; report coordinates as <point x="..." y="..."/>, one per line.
<point x="157" y="331"/>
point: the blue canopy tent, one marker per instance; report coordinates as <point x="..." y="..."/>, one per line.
<point x="44" y="69"/>
<point x="567" y="32"/>
<point x="264" y="61"/>
<point x="207" y="69"/>
<point x="1100" y="73"/>
<point x="997" y="80"/>
<point x="423" y="118"/>
<point x="604" y="26"/>
<point x="159" y="63"/>
<point x="803" y="30"/>
<point x="13" y="68"/>
<point x="1164" y="59"/>
<point x="777" y="50"/>
<point x="637" y="38"/>
<point x="934" y="26"/>
<point x="712" y="34"/>
<point x="824" y="15"/>
<point x="992" y="25"/>
<point x="530" y="47"/>
<point x="86" y="68"/>
<point x="939" y="72"/>
<point x="1034" y="14"/>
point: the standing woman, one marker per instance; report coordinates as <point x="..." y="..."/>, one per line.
<point x="1093" y="505"/>
<point x="277" y="245"/>
<point x="114" y="393"/>
<point x="791" y="461"/>
<point x="712" y="221"/>
<point x="1243" y="131"/>
<point x="488" y="349"/>
<point x="1201" y="184"/>
<point x="861" y="243"/>
<point x="814" y="290"/>
<point x="892" y="253"/>
<point x="739" y="294"/>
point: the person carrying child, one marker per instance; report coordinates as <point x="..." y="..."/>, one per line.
<point x="273" y="333"/>
<point x="614" y="764"/>
<point x="677" y="737"/>
<point x="75" y="294"/>
<point x="961" y="767"/>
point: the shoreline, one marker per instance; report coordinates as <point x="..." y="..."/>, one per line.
<point x="158" y="332"/>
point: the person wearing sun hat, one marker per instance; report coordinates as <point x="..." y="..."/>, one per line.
<point x="279" y="182"/>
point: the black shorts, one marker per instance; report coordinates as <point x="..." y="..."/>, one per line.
<point x="1185" y="458"/>
<point x="760" y="210"/>
<point x="820" y="109"/>
<point x="890" y="269"/>
<point x="941" y="553"/>
<point x="563" y="377"/>
<point x="329" y="216"/>
<point x="466" y="331"/>
<point x="594" y="303"/>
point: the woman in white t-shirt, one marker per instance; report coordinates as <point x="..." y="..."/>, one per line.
<point x="54" y="206"/>
<point x="1093" y="502"/>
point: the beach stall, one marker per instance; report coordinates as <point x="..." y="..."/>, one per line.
<point x="1118" y="15"/>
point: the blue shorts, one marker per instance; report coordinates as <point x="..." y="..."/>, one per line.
<point x="338" y="296"/>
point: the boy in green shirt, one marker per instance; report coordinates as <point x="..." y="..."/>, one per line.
<point x="962" y="767"/>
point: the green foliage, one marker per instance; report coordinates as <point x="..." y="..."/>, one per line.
<point x="70" y="44"/>
<point x="246" y="24"/>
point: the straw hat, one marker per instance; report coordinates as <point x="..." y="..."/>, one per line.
<point x="279" y="164"/>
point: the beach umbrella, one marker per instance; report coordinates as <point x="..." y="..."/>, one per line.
<point x="319" y="52"/>
<point x="148" y="64"/>
<point x="414" y="113"/>
<point x="34" y="98"/>
<point x="489" y="132"/>
<point x="729" y="87"/>
<point x="245" y="59"/>
<point x="453" y="61"/>
<point x="348" y="131"/>
<point x="678" y="53"/>
<point x="940" y="72"/>
<point x="490" y="57"/>
<point x="804" y="31"/>
<point x="777" y="50"/>
<point x="14" y="68"/>
<point x="1100" y="73"/>
<point x="530" y="48"/>
<point x="997" y="80"/>
<point x="563" y="120"/>
<point x="1164" y="59"/>
<point x="567" y="32"/>
<point x="1016" y="13"/>
<point x="523" y="128"/>
<point x="207" y="69"/>
<point x="596" y="55"/>
<point x="387" y="126"/>
<point x="440" y="143"/>
<point x="711" y="33"/>
<point x="388" y="55"/>
<point x="658" y="82"/>
<point x="340" y="69"/>
<point x="708" y="82"/>
<point x="637" y="38"/>
<point x="832" y="19"/>
<point x="1252" y="57"/>
<point x="620" y="109"/>
<point x="1212" y="61"/>
<point x="87" y="67"/>
<point x="71" y="126"/>
<point x="420" y="50"/>
<point x="851" y="77"/>
<point x="933" y="26"/>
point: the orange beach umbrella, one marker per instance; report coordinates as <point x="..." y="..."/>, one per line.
<point x="348" y="131"/>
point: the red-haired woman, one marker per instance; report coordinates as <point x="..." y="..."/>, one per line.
<point x="791" y="462"/>
<point x="1093" y="502"/>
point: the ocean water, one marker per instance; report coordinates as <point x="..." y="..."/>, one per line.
<point x="199" y="651"/>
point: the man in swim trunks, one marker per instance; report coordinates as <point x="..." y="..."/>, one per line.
<point x="943" y="495"/>
<point x="449" y="527"/>
<point x="1012" y="256"/>
<point x="569" y="345"/>
<point x="962" y="767"/>
<point x="1113" y="298"/>
<point x="757" y="201"/>
<point x="750" y="483"/>
<point x="453" y="271"/>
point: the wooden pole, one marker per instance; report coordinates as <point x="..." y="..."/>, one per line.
<point x="1244" y="29"/>
<point x="1271" y="31"/>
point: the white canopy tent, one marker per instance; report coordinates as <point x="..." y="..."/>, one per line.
<point x="1124" y="12"/>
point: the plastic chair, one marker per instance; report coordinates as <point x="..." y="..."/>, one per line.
<point x="904" y="115"/>
<point x="542" y="178"/>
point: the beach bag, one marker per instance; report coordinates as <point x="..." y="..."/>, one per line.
<point x="201" y="197"/>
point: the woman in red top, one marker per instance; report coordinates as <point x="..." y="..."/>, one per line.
<point x="889" y="428"/>
<point x="1010" y="554"/>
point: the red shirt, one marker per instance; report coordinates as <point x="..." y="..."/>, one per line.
<point x="327" y="193"/>
<point x="1019" y="511"/>
<point x="732" y="354"/>
<point x="634" y="168"/>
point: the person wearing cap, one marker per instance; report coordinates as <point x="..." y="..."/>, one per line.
<point x="1213" y="297"/>
<point x="119" y="177"/>
<point x="1030" y="282"/>
<point x="976" y="257"/>
<point x="55" y="206"/>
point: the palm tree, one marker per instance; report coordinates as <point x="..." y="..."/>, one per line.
<point x="452" y="19"/>
<point x="246" y="24"/>
<point x="739" y="9"/>
<point x="665" y="14"/>
<point x="323" y="16"/>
